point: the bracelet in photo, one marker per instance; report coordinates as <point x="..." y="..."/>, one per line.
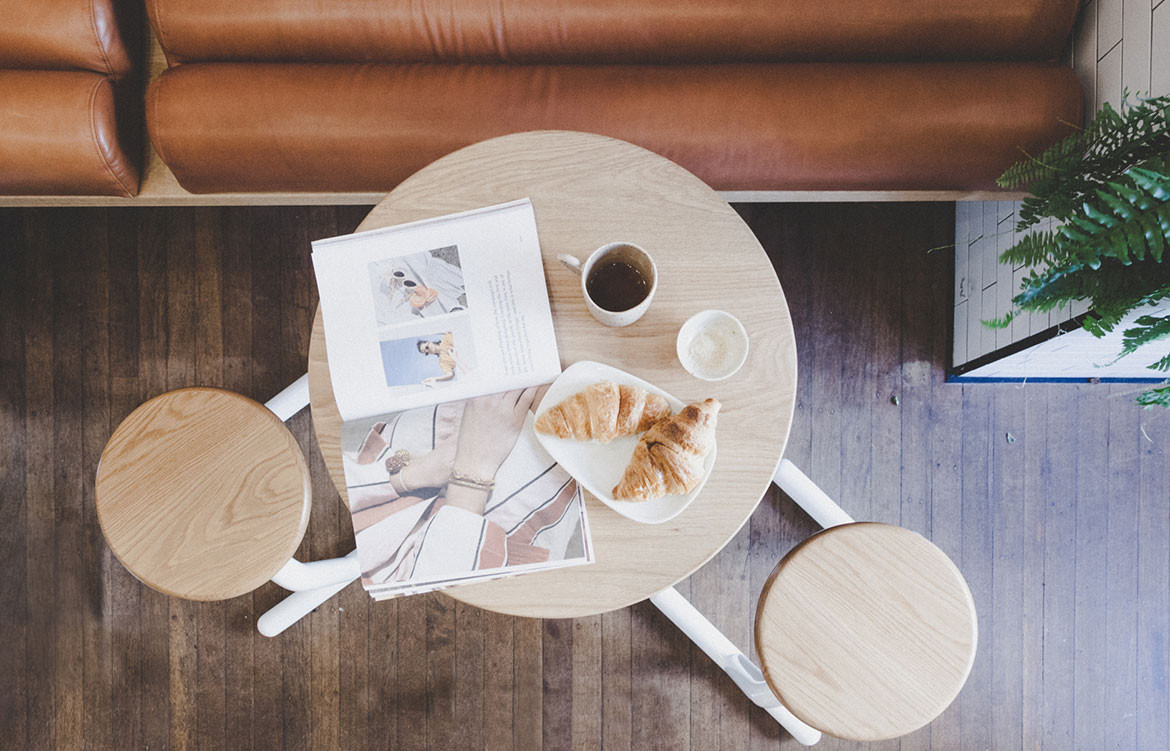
<point x="469" y="481"/>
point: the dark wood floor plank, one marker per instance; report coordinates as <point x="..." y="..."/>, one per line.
<point x="499" y="680"/>
<point x="468" y="731"/>
<point x="99" y="564"/>
<point x="1035" y="501"/>
<point x="586" y="677"/>
<point x="975" y="556"/>
<point x="660" y="686"/>
<point x="73" y="585"/>
<point x="1009" y="437"/>
<point x="40" y="497"/>
<point x="1121" y="573"/>
<point x="1092" y="585"/>
<point x="616" y="680"/>
<point x="14" y="444"/>
<point x="528" y="683"/>
<point x="440" y="661"/>
<point x="1153" y="581"/>
<point x="412" y="698"/>
<point x="556" y="667"/>
<point x="1059" y="471"/>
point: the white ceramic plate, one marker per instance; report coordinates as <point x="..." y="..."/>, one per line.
<point x="599" y="466"/>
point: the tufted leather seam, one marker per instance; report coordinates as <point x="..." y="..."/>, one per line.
<point x="152" y="97"/>
<point x="109" y="71"/>
<point x="155" y="19"/>
<point x="94" y="139"/>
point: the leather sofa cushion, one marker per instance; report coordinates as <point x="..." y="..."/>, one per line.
<point x="58" y="136"/>
<point x="67" y="34"/>
<point x="619" y="31"/>
<point x="241" y="127"/>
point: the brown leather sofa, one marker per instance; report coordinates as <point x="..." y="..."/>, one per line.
<point x="66" y="72"/>
<point x="300" y="95"/>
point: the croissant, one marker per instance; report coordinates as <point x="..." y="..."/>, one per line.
<point x="669" y="458"/>
<point x="602" y="412"/>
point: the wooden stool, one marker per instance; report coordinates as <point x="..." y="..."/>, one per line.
<point x="866" y="631"/>
<point x="203" y="494"/>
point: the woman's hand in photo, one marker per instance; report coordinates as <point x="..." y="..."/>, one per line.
<point x="490" y="427"/>
<point x="430" y="470"/>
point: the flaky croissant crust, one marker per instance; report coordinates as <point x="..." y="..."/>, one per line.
<point x="668" y="460"/>
<point x="602" y="412"/>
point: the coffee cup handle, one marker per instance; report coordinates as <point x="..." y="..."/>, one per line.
<point x="570" y="261"/>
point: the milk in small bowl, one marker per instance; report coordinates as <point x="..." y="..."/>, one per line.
<point x="712" y="345"/>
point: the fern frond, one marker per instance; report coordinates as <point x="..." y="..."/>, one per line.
<point x="1108" y="187"/>
<point x="1159" y="396"/>
<point x="1162" y="365"/>
<point x="1146" y="329"/>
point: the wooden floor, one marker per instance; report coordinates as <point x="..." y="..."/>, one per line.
<point x="1053" y="499"/>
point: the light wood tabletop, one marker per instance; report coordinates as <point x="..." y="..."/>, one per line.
<point x="587" y="191"/>
<point x="866" y="631"/>
<point x="203" y="493"/>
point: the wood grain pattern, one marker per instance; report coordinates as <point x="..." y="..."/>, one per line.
<point x="866" y="631"/>
<point x="203" y="493"/>
<point x="869" y="308"/>
<point x="587" y="191"/>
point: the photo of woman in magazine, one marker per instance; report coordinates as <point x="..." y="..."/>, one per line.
<point x="446" y="491"/>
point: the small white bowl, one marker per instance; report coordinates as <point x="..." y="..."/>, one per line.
<point x="720" y="337"/>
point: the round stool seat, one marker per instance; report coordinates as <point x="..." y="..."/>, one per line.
<point x="203" y="493"/>
<point x="866" y="631"/>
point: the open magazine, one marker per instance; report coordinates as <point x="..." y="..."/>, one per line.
<point x="438" y="333"/>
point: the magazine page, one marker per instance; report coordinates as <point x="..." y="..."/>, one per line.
<point x="437" y="310"/>
<point x="459" y="492"/>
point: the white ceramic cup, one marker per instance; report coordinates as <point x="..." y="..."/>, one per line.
<point x="626" y="253"/>
<point x="712" y="345"/>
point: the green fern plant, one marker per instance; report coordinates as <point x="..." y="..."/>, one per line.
<point x="1109" y="187"/>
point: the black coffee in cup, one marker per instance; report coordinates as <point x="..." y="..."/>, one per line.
<point x="616" y="286"/>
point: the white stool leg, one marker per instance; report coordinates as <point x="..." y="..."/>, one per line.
<point x="743" y="671"/>
<point x="809" y="497"/>
<point x="295" y="607"/>
<point x="312" y="584"/>
<point x="297" y="577"/>
<point x="291" y="400"/>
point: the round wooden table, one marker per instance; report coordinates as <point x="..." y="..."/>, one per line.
<point x="587" y="191"/>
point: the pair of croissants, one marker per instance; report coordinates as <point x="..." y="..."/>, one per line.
<point x="669" y="457"/>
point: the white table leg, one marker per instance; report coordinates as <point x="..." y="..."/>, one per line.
<point x="312" y="584"/>
<point x="291" y="400"/>
<point x="809" y="497"/>
<point x="743" y="671"/>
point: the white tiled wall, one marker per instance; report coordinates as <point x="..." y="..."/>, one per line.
<point x="1117" y="45"/>
<point x="1078" y="354"/>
